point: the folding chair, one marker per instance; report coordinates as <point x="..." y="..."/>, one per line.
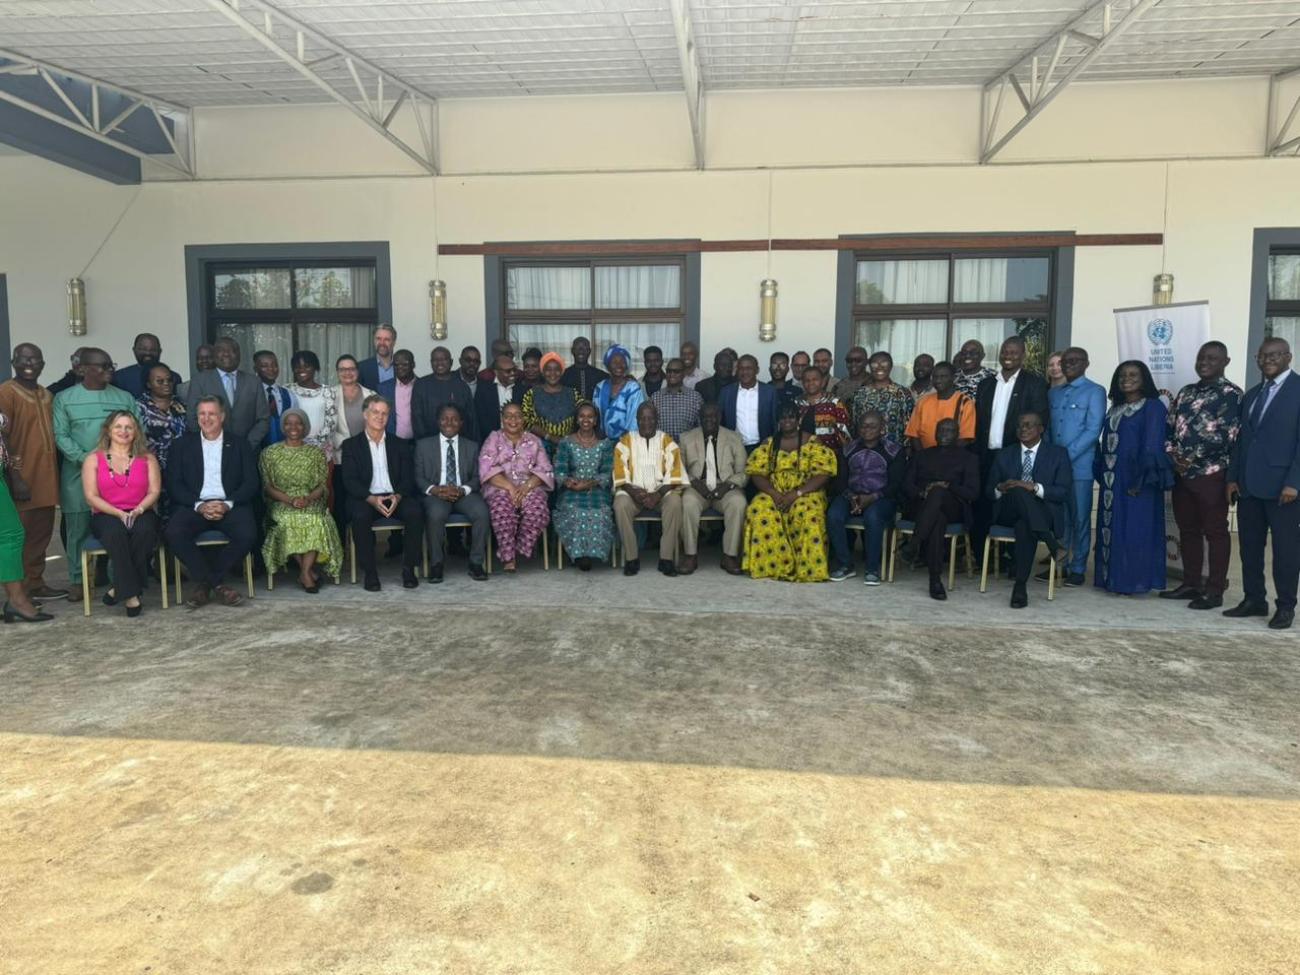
<point x="885" y="547"/>
<point x="377" y="526"/>
<point x="649" y="518"/>
<point x="456" y="520"/>
<point x="954" y="532"/>
<point x="212" y="539"/>
<point x="91" y="549"/>
<point x="1000" y="535"/>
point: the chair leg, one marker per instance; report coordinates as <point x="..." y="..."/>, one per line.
<point x="970" y="556"/>
<point x="176" y="570"/>
<point x="270" y="580"/>
<point x="424" y="553"/>
<point x="87" y="573"/>
<point x="1051" y="580"/>
<point x="546" y="549"/>
<point x="352" y="555"/>
<point x="984" y="573"/>
<point x="952" y="563"/>
<point x="248" y="573"/>
<point x="559" y="552"/>
<point x="162" y="572"/>
<point x="488" y="568"/>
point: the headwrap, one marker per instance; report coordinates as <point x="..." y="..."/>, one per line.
<point x="294" y="411"/>
<point x="614" y="350"/>
<point x="551" y="357"/>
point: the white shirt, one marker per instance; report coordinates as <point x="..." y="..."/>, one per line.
<point x="442" y="456"/>
<point x="505" y="394"/>
<point x="1032" y="453"/>
<point x="747" y="414"/>
<point x="213" y="489"/>
<point x="380" y="482"/>
<point x="1001" y="402"/>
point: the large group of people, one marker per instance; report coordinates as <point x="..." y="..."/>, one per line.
<point x="790" y="466"/>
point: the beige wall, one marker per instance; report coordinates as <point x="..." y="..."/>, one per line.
<point x="314" y="174"/>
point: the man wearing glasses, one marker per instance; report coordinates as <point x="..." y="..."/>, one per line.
<point x="856" y="360"/>
<point x="79" y="415"/>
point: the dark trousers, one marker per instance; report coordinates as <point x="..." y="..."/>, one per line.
<point x="1201" y="511"/>
<point x="186" y="524"/>
<point x="38" y="523"/>
<point x="473" y="507"/>
<point x="874" y="519"/>
<point x="129" y="550"/>
<point x="937" y="511"/>
<point x="1256" y="517"/>
<point x="362" y="515"/>
<point x="1027" y="514"/>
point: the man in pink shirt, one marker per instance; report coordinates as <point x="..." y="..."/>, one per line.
<point x="398" y="392"/>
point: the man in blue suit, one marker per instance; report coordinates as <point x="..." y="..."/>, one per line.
<point x="1030" y="482"/>
<point x="1078" y="411"/>
<point x="1264" y="480"/>
<point x="748" y="406"/>
<point x="379" y="367"/>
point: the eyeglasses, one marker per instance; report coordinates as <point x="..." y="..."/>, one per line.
<point x="106" y="366"/>
<point x="1271" y="356"/>
<point x="855" y="358"/>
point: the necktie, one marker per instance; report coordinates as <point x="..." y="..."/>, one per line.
<point x="1027" y="466"/>
<point x="1261" y="404"/>
<point x="451" y="464"/>
<point x="228" y="381"/>
<point x="273" y="401"/>
<point x="710" y="464"/>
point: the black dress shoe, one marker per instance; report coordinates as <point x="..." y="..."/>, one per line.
<point x="1206" y="601"/>
<point x="667" y="568"/>
<point x="1019" y="598"/>
<point x="584" y="564"/>
<point x="476" y="573"/>
<point x="435" y="573"/>
<point x="372" y="583"/>
<point x="1246" y="608"/>
<point x="1182" y="592"/>
<point x="409" y="581"/>
<point x="1075" y="579"/>
<point x="1282" y="619"/>
<point x="937" y="591"/>
<point x="631" y="567"/>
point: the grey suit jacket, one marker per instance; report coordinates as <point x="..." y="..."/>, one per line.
<point x="428" y="463"/>
<point x="731" y="455"/>
<point x="249" y="416"/>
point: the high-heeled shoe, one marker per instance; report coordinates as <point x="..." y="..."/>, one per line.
<point x="12" y="615"/>
<point x="133" y="611"/>
<point x="108" y="599"/>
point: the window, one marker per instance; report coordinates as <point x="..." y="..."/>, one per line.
<point x="327" y="306"/>
<point x="931" y="303"/>
<point x="630" y="302"/>
<point x="1282" y="311"/>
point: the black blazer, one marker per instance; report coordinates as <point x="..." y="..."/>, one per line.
<point x="1052" y="469"/>
<point x="427" y="398"/>
<point x="357" y="468"/>
<point x="487" y="409"/>
<point x="767" y="403"/>
<point x="1266" y="457"/>
<point x="1028" y="395"/>
<point x="185" y="470"/>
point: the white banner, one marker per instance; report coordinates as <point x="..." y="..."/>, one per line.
<point x="1166" y="338"/>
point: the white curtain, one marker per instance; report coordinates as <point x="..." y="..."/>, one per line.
<point x="636" y="338"/>
<point x="902" y="282"/>
<point x="904" y="339"/>
<point x="329" y="341"/>
<point x="1283" y="328"/>
<point x="639" y="286"/>
<point x="255" y="338"/>
<point x="980" y="279"/>
<point x="548" y="337"/>
<point x="1284" y="277"/>
<point x="548" y="287"/>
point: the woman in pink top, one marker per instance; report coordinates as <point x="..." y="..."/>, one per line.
<point x="122" y="481"/>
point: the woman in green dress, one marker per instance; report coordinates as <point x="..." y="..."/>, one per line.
<point x="785" y="525"/>
<point x="584" y="470"/>
<point x="295" y="476"/>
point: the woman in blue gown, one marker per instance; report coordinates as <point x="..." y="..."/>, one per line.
<point x="1134" y="472"/>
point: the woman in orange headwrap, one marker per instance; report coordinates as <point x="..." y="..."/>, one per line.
<point x="550" y="408"/>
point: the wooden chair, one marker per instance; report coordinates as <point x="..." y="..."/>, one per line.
<point x="210" y="540"/>
<point x="1000" y="535"/>
<point x="91" y="549"/>
<point x="954" y="532"/>
<point x="377" y="526"/>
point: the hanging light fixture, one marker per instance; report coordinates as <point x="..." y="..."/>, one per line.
<point x="76" y="306"/>
<point x="767" y="287"/>
<point x="438" y="309"/>
<point x="1162" y="289"/>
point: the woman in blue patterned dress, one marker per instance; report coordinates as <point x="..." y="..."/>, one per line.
<point x="584" y="512"/>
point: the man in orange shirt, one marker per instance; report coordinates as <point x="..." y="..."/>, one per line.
<point x="944" y="402"/>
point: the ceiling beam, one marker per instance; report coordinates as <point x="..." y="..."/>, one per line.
<point x="79" y="98"/>
<point x="692" y="79"/>
<point x="1086" y="38"/>
<point x="1277" y="140"/>
<point x="303" y="48"/>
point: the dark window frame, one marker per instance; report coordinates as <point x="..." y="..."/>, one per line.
<point x="1279" y="307"/>
<point x="1268" y="241"/>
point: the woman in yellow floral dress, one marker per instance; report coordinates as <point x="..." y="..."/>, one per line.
<point x="785" y="526"/>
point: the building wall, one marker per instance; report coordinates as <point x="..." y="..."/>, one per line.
<point x="856" y="162"/>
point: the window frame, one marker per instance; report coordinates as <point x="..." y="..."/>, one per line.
<point x="1280" y="307"/>
<point x="1268" y="241"/>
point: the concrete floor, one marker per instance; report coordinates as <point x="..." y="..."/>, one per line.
<point x="583" y="773"/>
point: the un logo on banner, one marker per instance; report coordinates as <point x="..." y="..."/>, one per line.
<point x="1160" y="331"/>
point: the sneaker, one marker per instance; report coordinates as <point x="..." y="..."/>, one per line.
<point x="840" y="573"/>
<point x="871" y="579"/>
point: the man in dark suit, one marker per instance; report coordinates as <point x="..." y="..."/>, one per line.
<point x="1000" y="401"/>
<point x="1264" y="480"/>
<point x="248" y="414"/>
<point x="211" y="481"/>
<point x="379" y="482"/>
<point x="379" y="367"/>
<point x="1031" y="483"/>
<point x="436" y="389"/>
<point x="148" y="353"/>
<point x="749" y="406"/>
<point x="446" y="474"/>
<point x="724" y="367"/>
<point x="491" y="398"/>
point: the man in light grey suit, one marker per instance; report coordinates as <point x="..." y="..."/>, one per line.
<point x="714" y="458"/>
<point x="446" y="474"/>
<point x="248" y="411"/>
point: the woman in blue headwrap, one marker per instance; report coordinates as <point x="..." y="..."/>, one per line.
<point x="618" y="397"/>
